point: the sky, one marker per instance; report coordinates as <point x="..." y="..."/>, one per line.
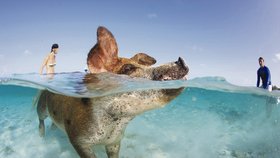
<point x="215" y="37"/>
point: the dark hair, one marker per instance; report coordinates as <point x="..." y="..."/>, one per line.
<point x="54" y="46"/>
<point x="261" y="58"/>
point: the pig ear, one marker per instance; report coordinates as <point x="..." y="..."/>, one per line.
<point x="144" y="59"/>
<point x="104" y="54"/>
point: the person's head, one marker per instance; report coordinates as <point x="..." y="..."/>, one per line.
<point x="261" y="61"/>
<point x="54" y="48"/>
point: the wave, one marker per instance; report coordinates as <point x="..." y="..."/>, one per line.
<point x="79" y="84"/>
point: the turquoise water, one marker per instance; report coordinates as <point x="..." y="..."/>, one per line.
<point x="211" y="118"/>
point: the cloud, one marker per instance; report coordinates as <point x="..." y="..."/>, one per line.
<point x="152" y="15"/>
<point x="27" y="52"/>
<point x="277" y="56"/>
<point x="196" y="48"/>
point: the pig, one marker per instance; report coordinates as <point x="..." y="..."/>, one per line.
<point x="103" y="120"/>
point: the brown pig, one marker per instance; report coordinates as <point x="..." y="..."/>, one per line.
<point x="103" y="120"/>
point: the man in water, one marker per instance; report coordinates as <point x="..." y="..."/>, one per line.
<point x="50" y="61"/>
<point x="264" y="74"/>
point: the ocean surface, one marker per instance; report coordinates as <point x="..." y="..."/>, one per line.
<point x="210" y="119"/>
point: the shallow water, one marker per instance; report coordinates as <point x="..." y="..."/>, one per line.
<point x="211" y="118"/>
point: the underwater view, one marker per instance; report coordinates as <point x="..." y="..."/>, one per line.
<point x="210" y="118"/>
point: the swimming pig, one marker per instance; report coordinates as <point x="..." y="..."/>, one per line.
<point x="103" y="120"/>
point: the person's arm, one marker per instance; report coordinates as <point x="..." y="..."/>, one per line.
<point x="44" y="64"/>
<point x="258" y="79"/>
<point x="268" y="77"/>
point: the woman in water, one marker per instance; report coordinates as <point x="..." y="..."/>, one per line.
<point x="49" y="61"/>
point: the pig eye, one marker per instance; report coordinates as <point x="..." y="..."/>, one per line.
<point x="127" y="69"/>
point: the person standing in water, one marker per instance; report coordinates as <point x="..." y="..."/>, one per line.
<point x="264" y="74"/>
<point x="49" y="61"/>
